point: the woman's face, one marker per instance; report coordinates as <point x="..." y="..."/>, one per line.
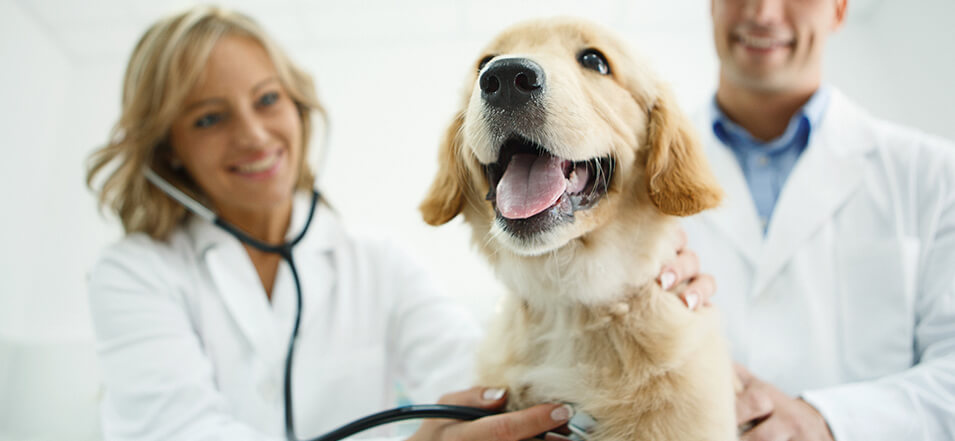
<point x="239" y="134"/>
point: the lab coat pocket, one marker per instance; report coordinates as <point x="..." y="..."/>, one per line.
<point x="879" y="283"/>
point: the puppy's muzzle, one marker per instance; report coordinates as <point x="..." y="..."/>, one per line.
<point x="509" y="83"/>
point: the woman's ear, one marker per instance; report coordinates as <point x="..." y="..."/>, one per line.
<point x="678" y="177"/>
<point x="446" y="196"/>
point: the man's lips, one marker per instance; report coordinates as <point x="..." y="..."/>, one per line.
<point x="762" y="43"/>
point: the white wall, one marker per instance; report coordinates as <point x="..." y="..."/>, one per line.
<point x="47" y="366"/>
<point x="898" y="60"/>
<point x="390" y="74"/>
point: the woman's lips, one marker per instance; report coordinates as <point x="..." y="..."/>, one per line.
<point x="265" y="166"/>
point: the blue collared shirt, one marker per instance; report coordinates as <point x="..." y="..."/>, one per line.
<point x="766" y="165"/>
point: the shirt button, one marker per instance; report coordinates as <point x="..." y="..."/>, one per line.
<point x="762" y="161"/>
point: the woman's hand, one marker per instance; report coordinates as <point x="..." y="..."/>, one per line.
<point x="510" y="426"/>
<point x="686" y="268"/>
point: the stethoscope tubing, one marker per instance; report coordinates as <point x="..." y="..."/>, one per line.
<point x="285" y="251"/>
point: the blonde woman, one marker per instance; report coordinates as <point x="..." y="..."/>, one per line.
<point x="193" y="324"/>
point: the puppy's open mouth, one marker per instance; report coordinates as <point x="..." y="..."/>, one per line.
<point x="532" y="190"/>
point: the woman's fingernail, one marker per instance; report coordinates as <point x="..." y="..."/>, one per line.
<point x="493" y="394"/>
<point x="692" y="300"/>
<point x="562" y="413"/>
<point x="667" y="279"/>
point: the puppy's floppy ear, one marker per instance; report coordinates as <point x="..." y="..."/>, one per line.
<point x="446" y="196"/>
<point x="678" y="176"/>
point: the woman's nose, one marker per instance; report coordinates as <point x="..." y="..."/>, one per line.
<point x="250" y="130"/>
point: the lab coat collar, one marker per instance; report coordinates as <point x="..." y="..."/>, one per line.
<point x="825" y="176"/>
<point x="830" y="170"/>
<point x="736" y="216"/>
<point x="320" y="237"/>
<point x="236" y="279"/>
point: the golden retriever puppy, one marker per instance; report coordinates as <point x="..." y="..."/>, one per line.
<point x="570" y="160"/>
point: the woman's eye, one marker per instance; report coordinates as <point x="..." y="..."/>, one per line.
<point x="268" y="99"/>
<point x="594" y="60"/>
<point x="208" y="120"/>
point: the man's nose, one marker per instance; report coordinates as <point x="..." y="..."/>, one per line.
<point x="765" y="12"/>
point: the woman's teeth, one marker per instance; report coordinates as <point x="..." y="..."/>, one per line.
<point x="259" y="166"/>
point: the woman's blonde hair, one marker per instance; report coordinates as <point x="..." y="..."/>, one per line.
<point x="164" y="67"/>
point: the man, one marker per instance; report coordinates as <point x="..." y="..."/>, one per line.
<point x="834" y="249"/>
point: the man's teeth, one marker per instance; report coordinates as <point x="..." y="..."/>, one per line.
<point x="259" y="166"/>
<point x="762" y="42"/>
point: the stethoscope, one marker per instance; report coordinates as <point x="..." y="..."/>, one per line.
<point x="285" y="251"/>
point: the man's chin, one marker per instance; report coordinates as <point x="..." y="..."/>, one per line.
<point x="767" y="79"/>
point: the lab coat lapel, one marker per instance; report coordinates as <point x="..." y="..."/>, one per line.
<point x="829" y="171"/>
<point x="237" y="282"/>
<point x="313" y="258"/>
<point x="736" y="216"/>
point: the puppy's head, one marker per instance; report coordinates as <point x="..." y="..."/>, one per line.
<point x="561" y="131"/>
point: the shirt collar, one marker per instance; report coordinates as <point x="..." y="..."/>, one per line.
<point x="810" y="114"/>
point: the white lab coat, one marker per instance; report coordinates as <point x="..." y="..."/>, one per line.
<point x="849" y="300"/>
<point x="191" y="348"/>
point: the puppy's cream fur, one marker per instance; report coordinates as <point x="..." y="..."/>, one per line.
<point x="585" y="322"/>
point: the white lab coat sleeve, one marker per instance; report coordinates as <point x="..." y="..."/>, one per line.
<point x="159" y="383"/>
<point x="432" y="339"/>
<point x="919" y="403"/>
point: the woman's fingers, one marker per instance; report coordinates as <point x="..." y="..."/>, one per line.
<point x="515" y="426"/>
<point x="510" y="426"/>
<point x="483" y="397"/>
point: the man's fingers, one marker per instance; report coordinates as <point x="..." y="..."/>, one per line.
<point x="753" y="403"/>
<point x="685" y="266"/>
<point x="681" y="240"/>
<point x="519" y="425"/>
<point x="699" y="291"/>
<point x="483" y="397"/>
<point x="772" y="429"/>
<point x="745" y="377"/>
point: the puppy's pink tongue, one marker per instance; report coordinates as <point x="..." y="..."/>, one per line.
<point x="530" y="185"/>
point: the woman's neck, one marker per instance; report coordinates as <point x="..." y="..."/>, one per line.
<point x="265" y="224"/>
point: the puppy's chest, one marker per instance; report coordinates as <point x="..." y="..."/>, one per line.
<point x="554" y="355"/>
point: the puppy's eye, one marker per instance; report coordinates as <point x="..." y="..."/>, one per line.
<point x="594" y="60"/>
<point x="484" y="62"/>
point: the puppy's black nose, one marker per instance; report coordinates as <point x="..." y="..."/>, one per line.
<point x="509" y="83"/>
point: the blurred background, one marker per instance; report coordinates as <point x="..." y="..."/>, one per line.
<point x="391" y="75"/>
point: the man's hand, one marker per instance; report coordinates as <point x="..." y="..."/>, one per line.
<point x="768" y="414"/>
<point x="686" y="268"/>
